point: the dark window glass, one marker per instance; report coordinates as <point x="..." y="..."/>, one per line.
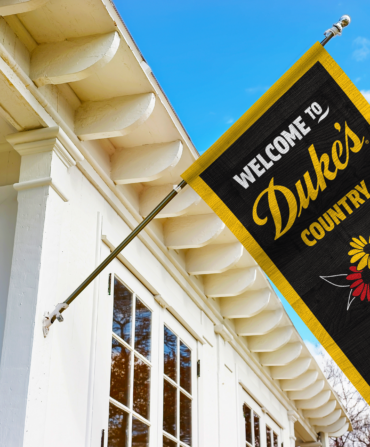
<point x="257" y="435"/>
<point x="143" y="324"/>
<point x="248" y="423"/>
<point x="185" y="367"/>
<point x="185" y="419"/>
<point x="122" y="311"/>
<point x="168" y="442"/>
<point x="268" y="436"/>
<point x="170" y="354"/>
<point x="169" y="408"/>
<point x="140" y="434"/>
<point x="120" y="373"/>
<point x="141" y="388"/>
<point x="276" y="443"/>
<point x="117" y="427"/>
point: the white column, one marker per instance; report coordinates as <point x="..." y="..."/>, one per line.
<point x="25" y="362"/>
<point x="293" y="417"/>
<point x="324" y="438"/>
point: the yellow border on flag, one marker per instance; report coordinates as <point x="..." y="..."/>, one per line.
<point x="316" y="53"/>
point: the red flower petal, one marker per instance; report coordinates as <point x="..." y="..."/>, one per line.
<point x="354" y="276"/>
<point x="363" y="294"/>
<point x="359" y="289"/>
<point x="368" y="293"/>
<point x="353" y="268"/>
<point x="356" y="283"/>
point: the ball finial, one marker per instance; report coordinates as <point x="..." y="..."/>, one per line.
<point x="345" y="20"/>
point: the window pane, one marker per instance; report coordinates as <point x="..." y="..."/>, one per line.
<point x="122" y="311"/>
<point x="185" y="367"/>
<point x="168" y="443"/>
<point x="120" y="373"/>
<point x="257" y="435"/>
<point x="185" y="419"/>
<point x="275" y="440"/>
<point x="117" y="427"/>
<point x="268" y="436"/>
<point x="141" y="387"/>
<point x="169" y="408"/>
<point x="143" y="323"/>
<point x="248" y="423"/>
<point x="140" y="434"/>
<point x="170" y="354"/>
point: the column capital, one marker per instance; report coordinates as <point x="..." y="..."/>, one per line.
<point x="293" y="416"/>
<point x="46" y="140"/>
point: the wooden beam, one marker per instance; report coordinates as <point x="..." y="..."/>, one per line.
<point x="230" y="283"/>
<point x="291" y="371"/>
<point x="144" y="164"/>
<point x="191" y="231"/>
<point x="336" y="426"/>
<point x="73" y="59"/>
<point x="308" y="392"/>
<point x="321" y="412"/>
<point x="213" y="258"/>
<point x="271" y="341"/>
<point x="327" y="420"/>
<point x="300" y="382"/>
<point x="151" y="196"/>
<point x="246" y="305"/>
<point x="282" y="356"/>
<point x="11" y="7"/>
<point x="315" y="402"/>
<point x="113" y="117"/>
<point x="340" y="432"/>
<point x="261" y="324"/>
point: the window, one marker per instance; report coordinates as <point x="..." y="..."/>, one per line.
<point x="272" y="439"/>
<point x="129" y="408"/>
<point x="177" y="391"/>
<point x="252" y="427"/>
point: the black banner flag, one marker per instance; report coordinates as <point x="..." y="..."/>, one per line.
<point x="291" y="179"/>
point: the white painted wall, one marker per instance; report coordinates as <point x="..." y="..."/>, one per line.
<point x="8" y="216"/>
<point x="68" y="411"/>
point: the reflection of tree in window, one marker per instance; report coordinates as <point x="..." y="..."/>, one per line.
<point x="118" y="427"/>
<point x="185" y="367"/>
<point x="268" y="436"/>
<point x="170" y="354"/>
<point x="122" y="379"/>
<point x="141" y="388"/>
<point x="143" y="324"/>
<point x="140" y="433"/>
<point x="177" y="405"/>
<point x="120" y="373"/>
<point x="122" y="313"/>
<point x="252" y="427"/>
<point x="276" y="442"/>
<point x="248" y="423"/>
<point x="257" y="436"/>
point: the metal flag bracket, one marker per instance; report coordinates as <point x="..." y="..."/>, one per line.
<point x="49" y="318"/>
<point x="336" y="29"/>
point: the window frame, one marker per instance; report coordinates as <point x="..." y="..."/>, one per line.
<point x="184" y="335"/>
<point x="253" y="412"/>
<point x="133" y="353"/>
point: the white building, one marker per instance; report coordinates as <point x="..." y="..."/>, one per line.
<point x="204" y="354"/>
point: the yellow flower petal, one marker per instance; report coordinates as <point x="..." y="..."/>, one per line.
<point x="355" y="258"/>
<point x="368" y="263"/>
<point x="352" y="244"/>
<point x="362" y="239"/>
<point x="357" y="241"/>
<point x="363" y="262"/>
<point x="354" y="252"/>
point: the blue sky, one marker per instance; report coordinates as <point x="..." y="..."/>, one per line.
<point x="215" y="58"/>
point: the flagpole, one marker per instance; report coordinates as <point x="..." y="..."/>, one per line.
<point x="56" y="314"/>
